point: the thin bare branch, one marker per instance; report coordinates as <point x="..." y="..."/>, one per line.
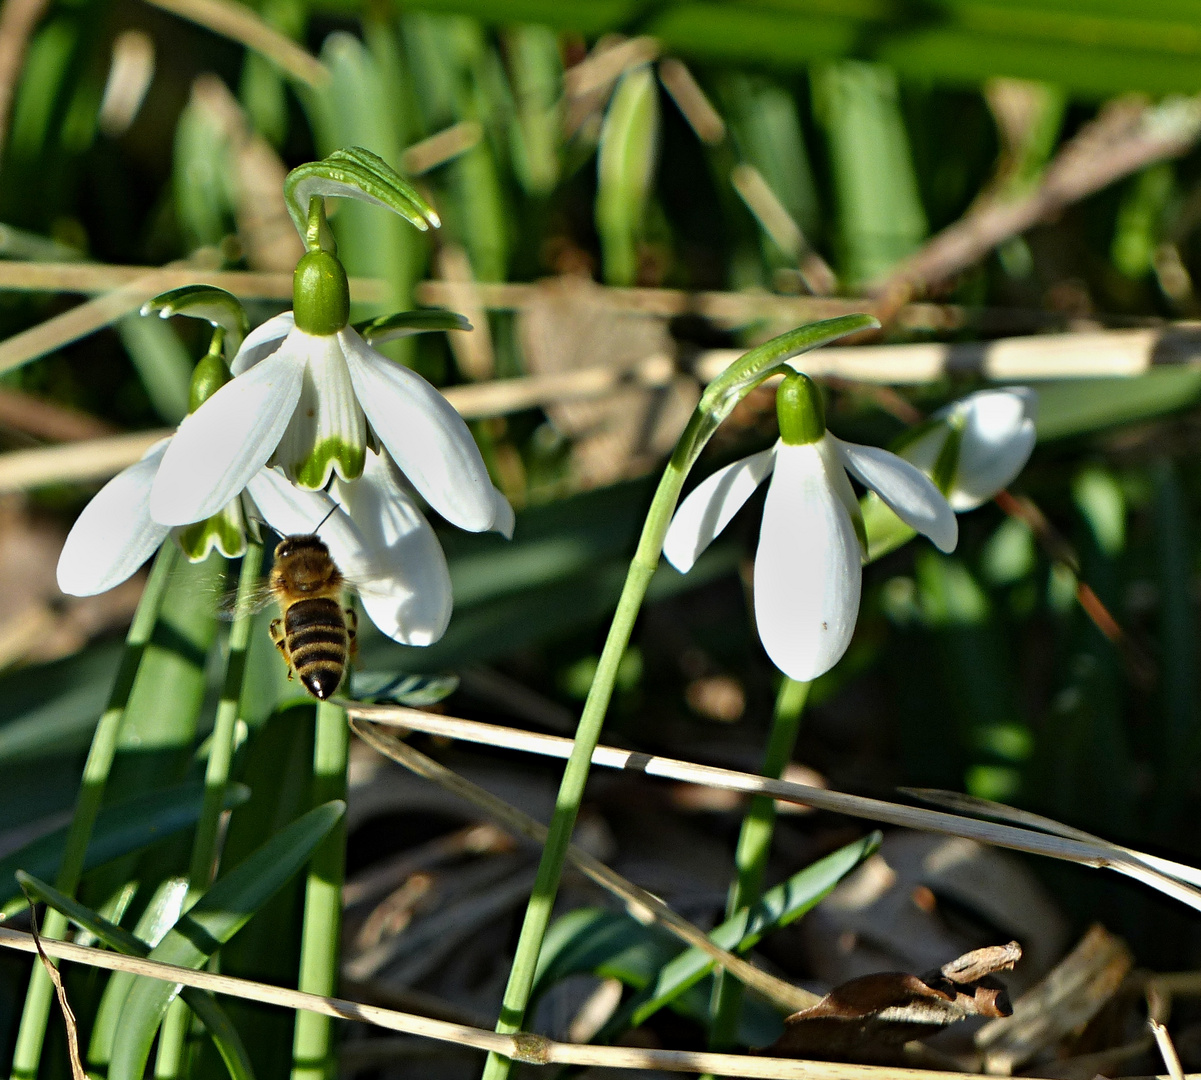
<point x="91" y="459"/>
<point x="1127" y="135"/>
<point x="1164" y="875"/>
<point x="533" y="1049"/>
<point x="441" y="147"/>
<point x="241" y="24"/>
<point x="81" y="277"/>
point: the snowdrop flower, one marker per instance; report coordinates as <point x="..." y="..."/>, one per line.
<point x="808" y="568"/>
<point x="991" y="433"/>
<point x="374" y="530"/>
<point x="310" y="395"/>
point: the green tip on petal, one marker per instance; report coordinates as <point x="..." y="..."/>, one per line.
<point x="328" y="456"/>
<point x="320" y="294"/>
<point x="224" y="531"/>
<point x="800" y="412"/>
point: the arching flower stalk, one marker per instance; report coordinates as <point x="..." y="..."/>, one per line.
<point x="811" y="543"/>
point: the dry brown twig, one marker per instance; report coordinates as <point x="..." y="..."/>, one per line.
<point x="78" y="1072"/>
<point x="242" y="24"/>
<point x="1127" y="135"/>
<point x="524" y="1047"/>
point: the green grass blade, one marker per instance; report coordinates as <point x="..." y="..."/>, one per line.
<point x="203" y="1004"/>
<point x="213" y="920"/>
<point x="779" y="906"/>
<point x="121" y="828"/>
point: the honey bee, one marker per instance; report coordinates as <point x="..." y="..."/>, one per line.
<point x="314" y="633"/>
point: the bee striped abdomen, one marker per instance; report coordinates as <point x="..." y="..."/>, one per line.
<point x="317" y="640"/>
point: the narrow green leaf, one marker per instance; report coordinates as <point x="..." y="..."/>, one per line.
<point x="405" y="323"/>
<point x="625" y="169"/>
<point x="201" y="1002"/>
<point x="780" y="906"/>
<point x="212" y="921"/>
<point x="159" y="915"/>
<point x="121" y="828"/>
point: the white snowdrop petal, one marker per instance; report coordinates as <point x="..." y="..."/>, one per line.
<point x="503" y="519"/>
<point x="906" y="490"/>
<point x="998" y="439"/>
<point x="261" y="342"/>
<point x="220" y="446"/>
<point x="289" y="510"/>
<point x="426" y="437"/>
<point x="405" y="588"/>
<point x="115" y="534"/>
<point x="327" y="431"/>
<point x="711" y="505"/>
<point x="807" y="568"/>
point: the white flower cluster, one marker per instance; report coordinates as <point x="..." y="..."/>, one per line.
<point x="305" y="411"/>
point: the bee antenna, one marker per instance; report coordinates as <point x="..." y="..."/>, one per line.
<point x="336" y="506"/>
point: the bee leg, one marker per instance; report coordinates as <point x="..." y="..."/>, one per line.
<point x="277" y="637"/>
<point x="352" y="629"/>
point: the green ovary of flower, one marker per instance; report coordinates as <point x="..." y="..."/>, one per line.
<point x="320" y="294"/>
<point x="799" y="410"/>
<point x="313" y="471"/>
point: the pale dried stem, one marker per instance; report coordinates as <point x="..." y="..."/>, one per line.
<point x="92" y="459"/>
<point x="533" y="1049"/>
<point x="1174" y="879"/>
<point x="641" y="903"/>
<point x="441" y="147"/>
<point x="1166" y="1049"/>
<point x="1108" y="353"/>
<point x="80" y="277"/>
<point x="241" y="24"/>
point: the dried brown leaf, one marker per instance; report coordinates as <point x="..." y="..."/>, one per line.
<point x="867" y="1020"/>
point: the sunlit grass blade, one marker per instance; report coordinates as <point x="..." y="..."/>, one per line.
<point x="214" y="919"/>
<point x="224" y="1034"/>
<point x="779" y="906"/>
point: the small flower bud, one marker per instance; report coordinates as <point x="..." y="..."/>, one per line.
<point x="210" y="374"/>
<point x="320" y="294"/>
<point x="799" y="410"/>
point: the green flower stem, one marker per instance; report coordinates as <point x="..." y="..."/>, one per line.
<point x="717" y="402"/>
<point x="575" y="774"/>
<point x="313" y="1056"/>
<point x="172" y="1038"/>
<point x="754" y="847"/>
<point x="32" y="1032"/>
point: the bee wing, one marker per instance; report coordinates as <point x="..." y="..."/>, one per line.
<point x="261" y="597"/>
